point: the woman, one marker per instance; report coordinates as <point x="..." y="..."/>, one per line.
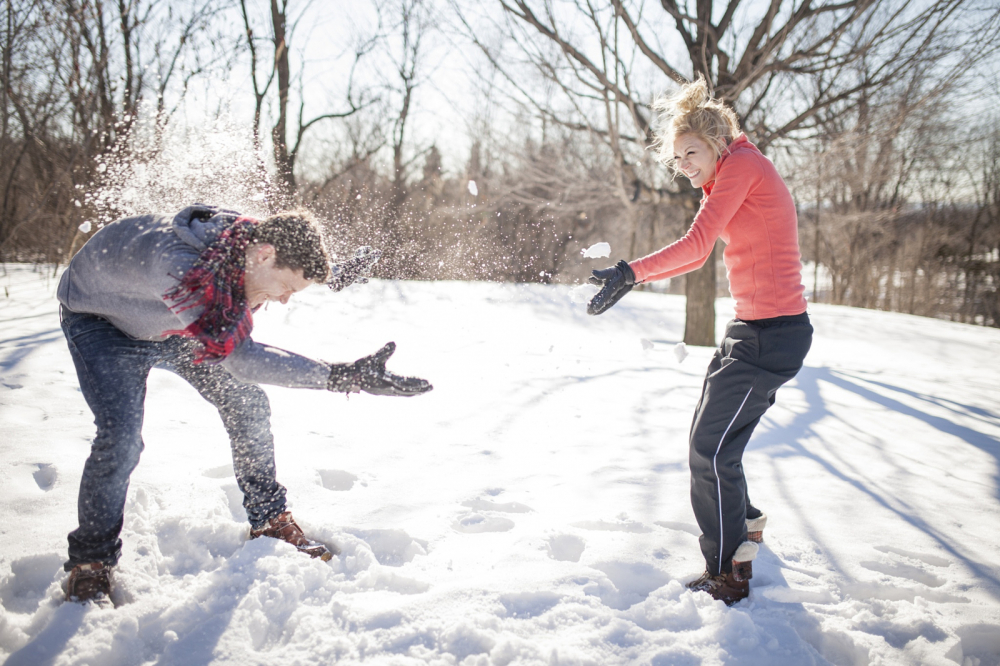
<point x="747" y="205"/>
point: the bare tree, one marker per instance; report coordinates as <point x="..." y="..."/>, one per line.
<point x="74" y="76"/>
<point x="779" y="66"/>
<point x="285" y="154"/>
<point x="408" y="24"/>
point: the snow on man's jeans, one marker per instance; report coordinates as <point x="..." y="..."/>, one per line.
<point x="112" y="368"/>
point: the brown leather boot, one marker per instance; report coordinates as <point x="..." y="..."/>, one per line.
<point x="284" y="527"/>
<point x="734" y="586"/>
<point x="89" y="582"/>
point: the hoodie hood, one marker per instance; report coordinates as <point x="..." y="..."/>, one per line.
<point x="199" y="224"/>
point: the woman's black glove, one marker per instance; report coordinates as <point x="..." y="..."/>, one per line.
<point x="615" y="282"/>
<point x="356" y="269"/>
<point x="368" y="374"/>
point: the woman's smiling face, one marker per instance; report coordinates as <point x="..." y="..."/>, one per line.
<point x="695" y="159"/>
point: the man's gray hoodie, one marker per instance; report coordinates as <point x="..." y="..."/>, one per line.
<point x="123" y="271"/>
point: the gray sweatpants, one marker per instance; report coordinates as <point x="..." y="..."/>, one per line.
<point x="753" y="361"/>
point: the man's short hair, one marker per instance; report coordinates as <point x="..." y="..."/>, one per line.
<point x="297" y="243"/>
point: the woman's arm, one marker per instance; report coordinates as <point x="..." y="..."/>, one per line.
<point x="680" y="270"/>
<point x="736" y="177"/>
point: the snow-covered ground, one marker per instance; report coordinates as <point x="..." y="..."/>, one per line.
<point x="533" y="508"/>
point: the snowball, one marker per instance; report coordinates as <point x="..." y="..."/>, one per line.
<point x="473" y="190"/>
<point x="85" y="228"/>
<point x="680" y="351"/>
<point x="583" y="293"/>
<point x="597" y="250"/>
<point x="646" y="344"/>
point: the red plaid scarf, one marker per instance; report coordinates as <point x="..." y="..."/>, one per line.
<point x="215" y="281"/>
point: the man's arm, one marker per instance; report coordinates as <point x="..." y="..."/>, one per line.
<point x="257" y="363"/>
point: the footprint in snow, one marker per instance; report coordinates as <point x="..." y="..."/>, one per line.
<point x="932" y="560"/>
<point x="391" y="548"/>
<point x="903" y="570"/>
<point x="502" y="507"/>
<point x="45" y="476"/>
<point x="566" y="547"/>
<point x="477" y="523"/>
<point x="337" y="479"/>
<point x="605" y="526"/>
<point x="679" y="527"/>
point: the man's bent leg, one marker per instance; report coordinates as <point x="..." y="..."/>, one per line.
<point x="246" y="414"/>
<point x="112" y="369"/>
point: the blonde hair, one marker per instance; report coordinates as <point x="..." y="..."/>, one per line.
<point x="692" y="110"/>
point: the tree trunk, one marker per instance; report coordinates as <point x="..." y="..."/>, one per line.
<point x="279" y="135"/>
<point x="699" y="287"/>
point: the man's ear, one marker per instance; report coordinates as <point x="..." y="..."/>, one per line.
<point x="263" y="254"/>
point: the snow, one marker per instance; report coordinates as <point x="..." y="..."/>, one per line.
<point x="596" y="251"/>
<point x="473" y="188"/>
<point x="583" y="293"/>
<point x="532" y="509"/>
<point x="680" y="352"/>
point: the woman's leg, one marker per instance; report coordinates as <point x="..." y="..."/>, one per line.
<point x="748" y="368"/>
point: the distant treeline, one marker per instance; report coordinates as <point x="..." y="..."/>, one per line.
<point x="896" y="174"/>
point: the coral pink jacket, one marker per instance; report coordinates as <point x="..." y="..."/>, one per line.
<point x="749" y="207"/>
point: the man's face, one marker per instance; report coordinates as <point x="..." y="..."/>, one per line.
<point x="264" y="281"/>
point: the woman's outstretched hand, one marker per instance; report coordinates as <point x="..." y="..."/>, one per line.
<point x="615" y="282"/>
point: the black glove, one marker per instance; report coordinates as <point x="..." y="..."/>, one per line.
<point x="368" y="374"/>
<point x="615" y="282"/>
<point x="356" y="269"/>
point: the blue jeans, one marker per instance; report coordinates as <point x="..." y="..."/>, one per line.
<point x="112" y="368"/>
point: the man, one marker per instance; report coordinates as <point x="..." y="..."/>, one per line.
<point x="179" y="292"/>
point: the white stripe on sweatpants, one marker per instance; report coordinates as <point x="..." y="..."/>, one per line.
<point x="715" y="468"/>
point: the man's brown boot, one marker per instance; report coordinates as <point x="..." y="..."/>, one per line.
<point x="284" y="527"/>
<point x="734" y="586"/>
<point x="89" y="582"/>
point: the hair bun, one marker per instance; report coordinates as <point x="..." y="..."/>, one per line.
<point x="691" y="97"/>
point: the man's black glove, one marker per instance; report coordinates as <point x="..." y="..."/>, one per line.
<point x="368" y="374"/>
<point x="356" y="269"/>
<point x="615" y="282"/>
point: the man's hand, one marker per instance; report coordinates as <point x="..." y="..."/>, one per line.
<point x="615" y="282"/>
<point x="368" y="374"/>
<point x="356" y="269"/>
